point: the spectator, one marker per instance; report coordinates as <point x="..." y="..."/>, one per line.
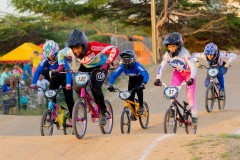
<point x="27" y="75"/>
<point x="6" y="86"/>
<point x="35" y="61"/>
<point x="4" y="75"/>
<point x="24" y="100"/>
<point x="16" y="75"/>
<point x="41" y="83"/>
<point x="8" y="97"/>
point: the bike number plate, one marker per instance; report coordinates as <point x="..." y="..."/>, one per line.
<point x="50" y="93"/>
<point x="124" y="95"/>
<point x="81" y="78"/>
<point x="213" y="72"/>
<point x="170" y="92"/>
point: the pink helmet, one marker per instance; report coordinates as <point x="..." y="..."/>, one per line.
<point x="50" y="49"/>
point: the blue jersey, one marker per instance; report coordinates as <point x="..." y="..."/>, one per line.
<point x="135" y="70"/>
<point x="44" y="63"/>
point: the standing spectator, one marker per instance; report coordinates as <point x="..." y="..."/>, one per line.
<point x="35" y="61"/>
<point x="27" y="74"/>
<point x="16" y="75"/>
<point x="41" y="83"/>
<point x="4" y="75"/>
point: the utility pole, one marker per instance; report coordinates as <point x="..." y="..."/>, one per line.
<point x="153" y="20"/>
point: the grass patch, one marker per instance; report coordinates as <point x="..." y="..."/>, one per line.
<point x="231" y="136"/>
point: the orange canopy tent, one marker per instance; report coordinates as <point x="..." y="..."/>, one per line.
<point x="20" y="54"/>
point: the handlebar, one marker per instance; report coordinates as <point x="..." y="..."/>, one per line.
<point x="179" y="87"/>
<point x="118" y="90"/>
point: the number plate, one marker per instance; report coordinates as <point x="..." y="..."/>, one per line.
<point x="50" y="93"/>
<point x="171" y="92"/>
<point x="124" y="95"/>
<point x="81" y="78"/>
<point x="213" y="72"/>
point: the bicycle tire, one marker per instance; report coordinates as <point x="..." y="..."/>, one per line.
<point x="209" y="97"/>
<point x="222" y="102"/>
<point x="49" y="125"/>
<point x="189" y="127"/>
<point x="125" y="121"/>
<point x="67" y="127"/>
<point x="145" y="116"/>
<point x="79" y="120"/>
<point x="107" y="128"/>
<point x="170" y="114"/>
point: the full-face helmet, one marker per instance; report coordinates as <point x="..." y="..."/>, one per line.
<point x="128" y="58"/>
<point x="50" y="51"/>
<point x="174" y="39"/>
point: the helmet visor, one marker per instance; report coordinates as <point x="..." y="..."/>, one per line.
<point x="127" y="61"/>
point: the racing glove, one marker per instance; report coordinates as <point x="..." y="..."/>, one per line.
<point x="68" y="87"/>
<point x="157" y="82"/>
<point x="60" y="68"/>
<point x="110" y="87"/>
<point x="105" y="67"/>
<point x="142" y="86"/>
<point x="190" y="81"/>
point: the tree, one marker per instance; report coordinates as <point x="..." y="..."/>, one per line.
<point x="199" y="23"/>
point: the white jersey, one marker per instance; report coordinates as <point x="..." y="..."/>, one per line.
<point x="222" y="55"/>
<point x="42" y="83"/>
<point x="182" y="63"/>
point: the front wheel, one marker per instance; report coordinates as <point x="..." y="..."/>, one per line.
<point x="144" y="118"/>
<point x="221" y="102"/>
<point x="46" y="126"/>
<point x="170" y="121"/>
<point x="79" y="119"/>
<point x="107" y="128"/>
<point x="125" y="123"/>
<point x="209" y="98"/>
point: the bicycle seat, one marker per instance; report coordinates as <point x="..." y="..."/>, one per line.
<point x="185" y="103"/>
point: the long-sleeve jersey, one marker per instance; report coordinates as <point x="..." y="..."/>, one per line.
<point x="96" y="54"/>
<point x="135" y="70"/>
<point x="44" y="63"/>
<point x="182" y="63"/>
<point x="222" y="55"/>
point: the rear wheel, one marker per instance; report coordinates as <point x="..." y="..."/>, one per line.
<point x="209" y="98"/>
<point x="79" y="119"/>
<point x="189" y="127"/>
<point x="107" y="128"/>
<point x="170" y="121"/>
<point x="67" y="126"/>
<point x="125" y="123"/>
<point x="144" y="118"/>
<point x="221" y="102"/>
<point x="46" y="126"/>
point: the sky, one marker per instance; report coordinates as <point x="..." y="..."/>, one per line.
<point x="5" y="6"/>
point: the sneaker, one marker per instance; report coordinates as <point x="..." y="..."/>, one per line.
<point x="195" y="121"/>
<point x="103" y="119"/>
<point x="141" y="110"/>
<point x="132" y="118"/>
<point x="221" y="93"/>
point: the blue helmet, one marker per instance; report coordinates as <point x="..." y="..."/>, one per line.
<point x="212" y="49"/>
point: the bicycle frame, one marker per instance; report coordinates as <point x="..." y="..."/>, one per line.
<point x="88" y="98"/>
<point x="128" y="104"/>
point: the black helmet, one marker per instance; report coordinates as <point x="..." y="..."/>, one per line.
<point x="76" y="38"/>
<point x="128" y="58"/>
<point x="174" y="38"/>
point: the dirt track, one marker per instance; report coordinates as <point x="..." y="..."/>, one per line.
<point x="20" y="135"/>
